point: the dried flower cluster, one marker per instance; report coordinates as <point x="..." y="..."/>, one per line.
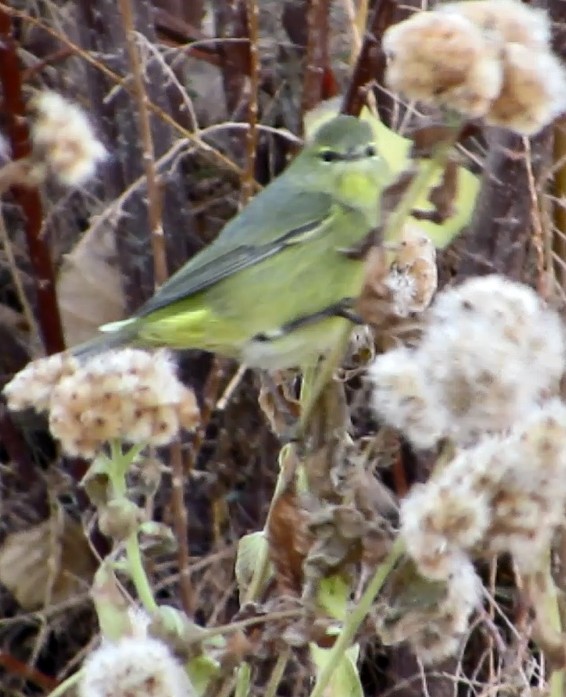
<point x="482" y="58"/>
<point x="485" y="374"/>
<point x="64" y="143"/>
<point x="432" y="616"/>
<point x="129" y="395"/>
<point x="489" y="352"/>
<point x="507" y="494"/>
<point x="402" y="285"/>
<point x="139" y="666"/>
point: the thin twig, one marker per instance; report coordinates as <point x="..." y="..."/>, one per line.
<point x="125" y="83"/>
<point x="317" y="53"/>
<point x="251" y="134"/>
<point x="153" y="190"/>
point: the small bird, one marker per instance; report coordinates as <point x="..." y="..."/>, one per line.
<point x="276" y="286"/>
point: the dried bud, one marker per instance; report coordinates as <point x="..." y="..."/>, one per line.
<point x="119" y="519"/>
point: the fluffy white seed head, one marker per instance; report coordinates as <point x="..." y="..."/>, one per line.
<point x="438" y="520"/>
<point x="533" y="92"/>
<point x="143" y="667"/>
<point x="63" y="139"/>
<point x="402" y="399"/>
<point x="490" y="351"/>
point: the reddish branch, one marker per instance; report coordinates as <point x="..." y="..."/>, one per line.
<point x="370" y="66"/>
<point x="317" y="59"/>
<point x="29" y="199"/>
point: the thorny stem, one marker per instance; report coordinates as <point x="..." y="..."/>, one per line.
<point x="355" y="619"/>
<point x="29" y="199"/>
<point x="317" y="52"/>
<point x="251" y="134"/>
<point x="552" y="615"/>
<point x="181" y="527"/>
<point x="144" y="124"/>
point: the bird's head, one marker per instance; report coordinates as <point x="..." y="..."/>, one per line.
<point x="342" y="159"/>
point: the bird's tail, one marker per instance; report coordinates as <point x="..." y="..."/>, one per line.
<point x="106" y="341"/>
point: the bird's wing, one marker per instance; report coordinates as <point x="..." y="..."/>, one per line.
<point x="289" y="219"/>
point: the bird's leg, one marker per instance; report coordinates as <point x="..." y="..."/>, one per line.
<point x="359" y="251"/>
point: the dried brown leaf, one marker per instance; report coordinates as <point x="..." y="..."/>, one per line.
<point x="50" y="562"/>
<point x="89" y="289"/>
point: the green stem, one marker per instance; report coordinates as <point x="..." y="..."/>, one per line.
<point x="243" y="680"/>
<point x="355" y="618"/>
<point x="66" y="684"/>
<point x="277" y="673"/>
<point x="137" y="573"/>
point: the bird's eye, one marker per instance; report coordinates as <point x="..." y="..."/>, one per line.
<point x="330" y="156"/>
<point x="371" y="151"/>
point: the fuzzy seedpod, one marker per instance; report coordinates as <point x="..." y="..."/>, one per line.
<point x="444" y="59"/>
<point x="513" y="21"/>
<point x="533" y="93"/>
<point x="63" y="140"/>
<point x="139" y="666"/>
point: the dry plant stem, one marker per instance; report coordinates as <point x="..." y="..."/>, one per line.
<point x="560" y="194"/>
<point x="539" y="236"/>
<point x="553" y="617"/>
<point x="154" y="195"/>
<point x="28" y="199"/>
<point x="355" y="619"/>
<point x="67" y="684"/>
<point x="16" y="278"/>
<point x="153" y="189"/>
<point x="317" y="52"/>
<point x="251" y="134"/>
<point x="125" y="84"/>
<point x="260" y="570"/>
<point x="370" y="66"/>
<point x="181" y="528"/>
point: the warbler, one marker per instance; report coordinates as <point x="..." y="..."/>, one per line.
<point x="274" y="288"/>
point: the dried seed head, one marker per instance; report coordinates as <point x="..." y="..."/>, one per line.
<point x="431" y="615"/>
<point x="401" y="397"/>
<point x="128" y="395"/>
<point x="32" y="386"/>
<point x="438" y="520"/>
<point x="139" y="666"/>
<point x="413" y="276"/>
<point x="533" y="92"/>
<point x="63" y="140"/>
<point x="444" y="59"/>
<point x="490" y="351"/>
<point x="512" y="20"/>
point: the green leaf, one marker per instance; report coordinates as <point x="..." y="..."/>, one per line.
<point x="345" y="680"/>
<point x="333" y="596"/>
<point x="201" y="670"/>
<point x="250" y="549"/>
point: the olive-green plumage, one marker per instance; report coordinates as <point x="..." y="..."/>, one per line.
<point x="258" y="293"/>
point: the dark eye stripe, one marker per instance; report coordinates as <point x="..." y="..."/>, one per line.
<point x="331" y="156"/>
